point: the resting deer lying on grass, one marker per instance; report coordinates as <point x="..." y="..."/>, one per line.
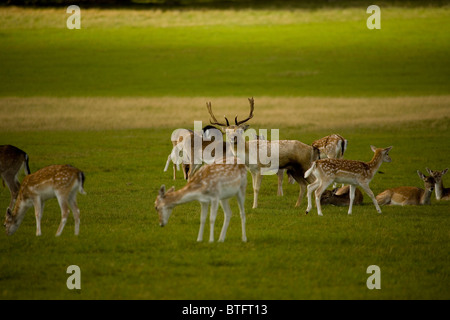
<point x="12" y="160"/>
<point x="354" y="173"/>
<point x="341" y="197"/>
<point x="212" y="184"/>
<point x="403" y="196"/>
<point x="441" y="192"/>
<point x="60" y="181"/>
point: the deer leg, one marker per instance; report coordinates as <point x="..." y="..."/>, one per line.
<point x="241" y="202"/>
<point x="256" y="179"/>
<point x="369" y="192"/>
<point x="280" y="175"/>
<point x="76" y="212"/>
<point x="38" y="209"/>
<point x="352" y="198"/>
<point x="212" y="218"/>
<point x="13" y="185"/>
<point x="322" y="187"/>
<point x="203" y="216"/>
<point x="226" y="219"/>
<point x="64" y="213"/>
<point x="302" y="184"/>
<point x="311" y="187"/>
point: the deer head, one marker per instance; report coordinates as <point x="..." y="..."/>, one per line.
<point x="236" y="129"/>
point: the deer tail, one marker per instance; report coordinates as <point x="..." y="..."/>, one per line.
<point x="81" y="177"/>
<point x="310" y="170"/>
<point x="27" y="167"/>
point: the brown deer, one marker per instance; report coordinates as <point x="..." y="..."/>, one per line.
<point x="441" y="192"/>
<point x="403" y="196"/>
<point x="341" y="197"/>
<point x="12" y="161"/>
<point x="56" y="181"/>
<point x="332" y="146"/>
<point x="210" y="185"/>
<point x="352" y="172"/>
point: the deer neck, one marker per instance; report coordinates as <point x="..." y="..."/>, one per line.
<point x="439" y="189"/>
<point x="184" y="195"/>
<point x="426" y="197"/>
<point x="20" y="208"/>
<point x="375" y="163"/>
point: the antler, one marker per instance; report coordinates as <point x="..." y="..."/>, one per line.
<point x="252" y="107"/>
<point x="214" y="120"/>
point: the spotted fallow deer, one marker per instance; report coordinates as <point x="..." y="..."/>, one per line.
<point x="352" y="172"/>
<point x="60" y="181"/>
<point x="403" y="196"/>
<point x="441" y="192"/>
<point x="332" y="146"/>
<point x="12" y="161"/>
<point x="210" y="185"/>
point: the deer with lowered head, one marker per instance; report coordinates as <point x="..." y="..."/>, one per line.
<point x="211" y="185"/>
<point x="403" y="196"/>
<point x="57" y="181"/>
<point x="441" y="192"/>
<point x="293" y="155"/>
<point x="12" y="161"/>
<point x="352" y="172"/>
<point x="332" y="146"/>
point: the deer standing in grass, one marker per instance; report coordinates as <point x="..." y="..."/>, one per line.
<point x="60" y="181"/>
<point x="293" y="155"/>
<point x="352" y="172"/>
<point x="12" y="161"/>
<point x="403" y="196"/>
<point x="441" y="192"/>
<point x="210" y="185"/>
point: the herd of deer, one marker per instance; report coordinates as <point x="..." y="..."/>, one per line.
<point x="314" y="167"/>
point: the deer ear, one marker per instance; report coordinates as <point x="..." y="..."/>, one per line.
<point x="388" y="148"/>
<point x="171" y="189"/>
<point x="373" y="148"/>
<point x="445" y="171"/>
<point x="429" y="171"/>
<point x="421" y="175"/>
<point x="162" y="191"/>
<point x="245" y="127"/>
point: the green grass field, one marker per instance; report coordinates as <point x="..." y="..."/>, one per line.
<point x="107" y="97"/>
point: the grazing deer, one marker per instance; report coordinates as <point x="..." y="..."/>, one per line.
<point x="403" y="196"/>
<point x="352" y="172"/>
<point x="12" y="160"/>
<point x="332" y="147"/>
<point x="441" y="192"/>
<point x="212" y="184"/>
<point x="341" y="197"/>
<point x="60" y="181"/>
